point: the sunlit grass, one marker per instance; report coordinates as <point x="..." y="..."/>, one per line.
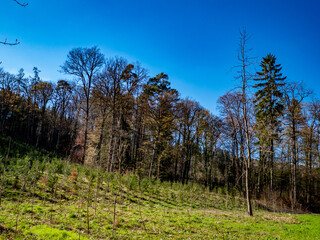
<point x="63" y="197"/>
<point x="142" y="215"/>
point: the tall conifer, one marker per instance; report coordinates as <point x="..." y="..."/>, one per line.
<point x="268" y="108"/>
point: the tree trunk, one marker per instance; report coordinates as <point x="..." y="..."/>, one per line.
<point x="153" y="158"/>
<point x="100" y="139"/>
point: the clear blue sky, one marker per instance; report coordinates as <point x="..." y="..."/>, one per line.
<point x="194" y="42"/>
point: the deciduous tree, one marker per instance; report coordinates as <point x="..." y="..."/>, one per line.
<point x="84" y="63"/>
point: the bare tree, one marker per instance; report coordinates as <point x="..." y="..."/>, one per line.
<point x="84" y="63"/>
<point x="189" y="114"/>
<point x="246" y="119"/>
<point x="229" y="106"/>
<point x="309" y="133"/>
<point x="295" y="94"/>
<point x="245" y="76"/>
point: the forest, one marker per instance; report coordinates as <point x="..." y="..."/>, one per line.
<point x="264" y="143"/>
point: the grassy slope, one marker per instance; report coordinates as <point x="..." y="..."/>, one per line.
<point x="145" y="209"/>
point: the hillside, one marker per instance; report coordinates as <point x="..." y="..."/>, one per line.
<point x="44" y="197"/>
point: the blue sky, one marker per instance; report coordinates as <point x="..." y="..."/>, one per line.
<point x="194" y="42"/>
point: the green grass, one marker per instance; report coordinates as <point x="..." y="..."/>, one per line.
<point x="140" y="215"/>
<point x="46" y="232"/>
<point x="43" y="198"/>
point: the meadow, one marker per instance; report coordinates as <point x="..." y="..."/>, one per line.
<point x="45" y="197"/>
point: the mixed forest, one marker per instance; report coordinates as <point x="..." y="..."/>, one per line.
<point x="263" y="144"/>
<point x="114" y="152"/>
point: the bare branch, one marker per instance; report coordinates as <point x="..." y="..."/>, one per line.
<point x="21" y="4"/>
<point x="5" y="42"/>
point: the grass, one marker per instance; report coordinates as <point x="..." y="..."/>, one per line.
<point x="141" y="215"/>
<point x="47" y="198"/>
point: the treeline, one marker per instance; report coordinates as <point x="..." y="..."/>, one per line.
<point x="264" y="144"/>
<point x="38" y="112"/>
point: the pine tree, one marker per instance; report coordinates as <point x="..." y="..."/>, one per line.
<point x="268" y="108"/>
<point x="160" y="100"/>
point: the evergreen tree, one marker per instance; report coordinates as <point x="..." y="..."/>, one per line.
<point x="160" y="100"/>
<point x="268" y="108"/>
